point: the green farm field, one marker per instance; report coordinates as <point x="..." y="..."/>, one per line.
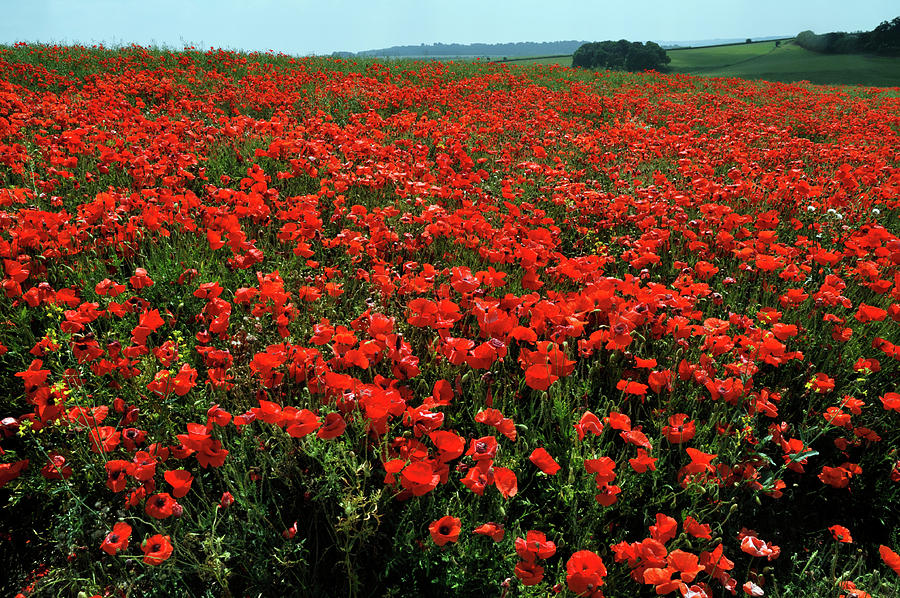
<point x="717" y="57"/>
<point x="786" y="63"/>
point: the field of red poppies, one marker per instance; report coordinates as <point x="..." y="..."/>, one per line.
<point x="283" y="326"/>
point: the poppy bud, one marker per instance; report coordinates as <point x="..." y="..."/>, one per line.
<point x="226" y="501"/>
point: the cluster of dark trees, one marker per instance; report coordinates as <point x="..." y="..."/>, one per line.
<point x="884" y="39"/>
<point x="622" y="55"/>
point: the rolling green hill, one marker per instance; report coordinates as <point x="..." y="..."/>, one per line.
<point x="694" y="60"/>
<point x="787" y="63"/>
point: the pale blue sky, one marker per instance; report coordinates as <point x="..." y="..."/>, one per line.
<point x="322" y="27"/>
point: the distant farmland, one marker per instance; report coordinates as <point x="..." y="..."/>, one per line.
<point x="763" y="60"/>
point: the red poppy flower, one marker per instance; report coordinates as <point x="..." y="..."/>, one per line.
<point x="117" y="539"/>
<point x="665" y="529"/>
<point x="180" y="480"/>
<point x="643" y="462"/>
<point x="784" y="331"/>
<point x="161" y="506"/>
<point x="483" y="449"/>
<point x="680" y="429"/>
<point x="891" y="401"/>
<point x="686" y="563"/>
<point x="542" y="459"/>
<point x="697" y="591"/>
<point x="449" y="444"/>
<point x="495" y="531"/>
<point x="608" y="494"/>
<point x="141" y="279"/>
<point x="116" y="474"/>
<point x="538" y="377"/>
<point x="534" y="545"/>
<point x="715" y="563"/>
<point x="659" y="380"/>
<point x="870" y="313"/>
<point x="584" y="573"/>
<point x="839" y="477"/>
<point x="56" y="468"/>
<point x="588" y="423"/>
<point x="891" y="558"/>
<point x="419" y="478"/>
<point x="479" y="477"/>
<point x="143" y="466"/>
<point x="618" y="421"/>
<point x="751" y="589"/>
<point x="157" y="549"/>
<point x="441" y="393"/>
<point x="299" y="423"/>
<point x="696" y="529"/>
<point x="836" y="417"/>
<point x="445" y="530"/>
<point x="841" y="533"/>
<point x="700" y="461"/>
<point x="632" y="388"/>
<point x="529" y="573"/>
<point x="822" y="383"/>
<point x="756" y="547"/>
<point x="506" y="482"/>
<point x="210" y="453"/>
<point x="333" y="426"/>
<point x="494" y="417"/>
<point x="104" y="439"/>
<point x="603" y="469"/>
<point x="185" y="380"/>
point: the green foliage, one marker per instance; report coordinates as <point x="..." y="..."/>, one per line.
<point x="884" y="40"/>
<point x="621" y="55"/>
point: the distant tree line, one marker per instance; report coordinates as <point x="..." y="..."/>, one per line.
<point x="622" y="55"/>
<point x="507" y="49"/>
<point x="884" y="39"/>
